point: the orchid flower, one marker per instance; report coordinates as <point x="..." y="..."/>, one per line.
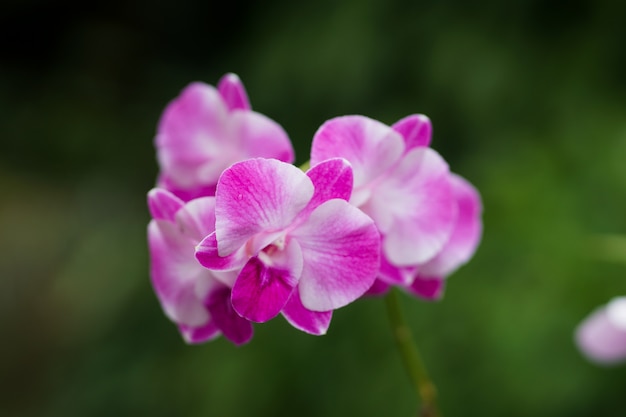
<point x="191" y="296"/>
<point x="428" y="217"/>
<point x="602" y="335"/>
<point x="300" y="247"/>
<point x="402" y="186"/>
<point x="205" y="130"/>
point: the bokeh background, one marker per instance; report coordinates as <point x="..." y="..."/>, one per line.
<point x="528" y="101"/>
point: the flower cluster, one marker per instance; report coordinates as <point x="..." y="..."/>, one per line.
<point x="239" y="235"/>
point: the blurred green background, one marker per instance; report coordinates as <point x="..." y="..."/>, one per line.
<point x="528" y="101"/>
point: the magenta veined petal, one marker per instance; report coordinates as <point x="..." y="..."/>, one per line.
<point x="261" y="291"/>
<point x="312" y="322"/>
<point x="416" y="130"/>
<point x="331" y="178"/>
<point x="414" y="208"/>
<point x="466" y="234"/>
<point x="234" y="327"/>
<point x="163" y="205"/>
<point x="370" y="146"/>
<point x="208" y="256"/>
<point x="602" y="335"/>
<point x="255" y="196"/>
<point x="233" y="92"/>
<point x="341" y="253"/>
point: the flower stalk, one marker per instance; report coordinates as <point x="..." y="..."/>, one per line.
<point x="424" y="387"/>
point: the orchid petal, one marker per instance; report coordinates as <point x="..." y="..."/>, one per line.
<point x="312" y="322"/>
<point x="429" y="288"/>
<point x="200" y="334"/>
<point x="258" y="195"/>
<point x="414" y="208"/>
<point x="371" y="147"/>
<point x="163" y="205"/>
<point x="235" y="328"/>
<point x="466" y="233"/>
<point x="332" y="179"/>
<point x="175" y="274"/>
<point x="378" y="288"/>
<point x="416" y="130"/>
<point x="185" y="194"/>
<point x="196" y="219"/>
<point x="255" y="135"/>
<point x="233" y="92"/>
<point x="396" y="275"/>
<point x="208" y="256"/>
<point x="261" y="291"/>
<point x="189" y="137"/>
<point x="341" y="252"/>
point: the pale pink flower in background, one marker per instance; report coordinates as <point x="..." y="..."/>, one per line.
<point x="601" y="337"/>
<point x="190" y="295"/>
<point x="302" y="249"/>
<point x="205" y="130"/>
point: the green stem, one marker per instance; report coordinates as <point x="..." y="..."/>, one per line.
<point x="413" y="363"/>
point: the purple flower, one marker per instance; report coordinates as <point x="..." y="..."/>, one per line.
<point x="205" y="130"/>
<point x="302" y="249"/>
<point x="196" y="299"/>
<point x="602" y="335"/>
<point x="429" y="219"/>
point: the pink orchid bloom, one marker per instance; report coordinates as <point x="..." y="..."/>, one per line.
<point x="429" y="218"/>
<point x="602" y="335"/>
<point x="205" y="130"/>
<point x="191" y="295"/>
<point x="401" y="185"/>
<point x="302" y="249"/>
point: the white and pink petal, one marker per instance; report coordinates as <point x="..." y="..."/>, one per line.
<point x="253" y="135"/>
<point x="466" y="234"/>
<point x="312" y="322"/>
<point x="189" y="136"/>
<point x="370" y="146"/>
<point x="414" y="208"/>
<point x="163" y="205"/>
<point x="175" y="274"/>
<point x="341" y="253"/>
<point x="255" y="196"/>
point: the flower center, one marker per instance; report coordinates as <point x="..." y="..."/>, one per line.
<point x="272" y="250"/>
